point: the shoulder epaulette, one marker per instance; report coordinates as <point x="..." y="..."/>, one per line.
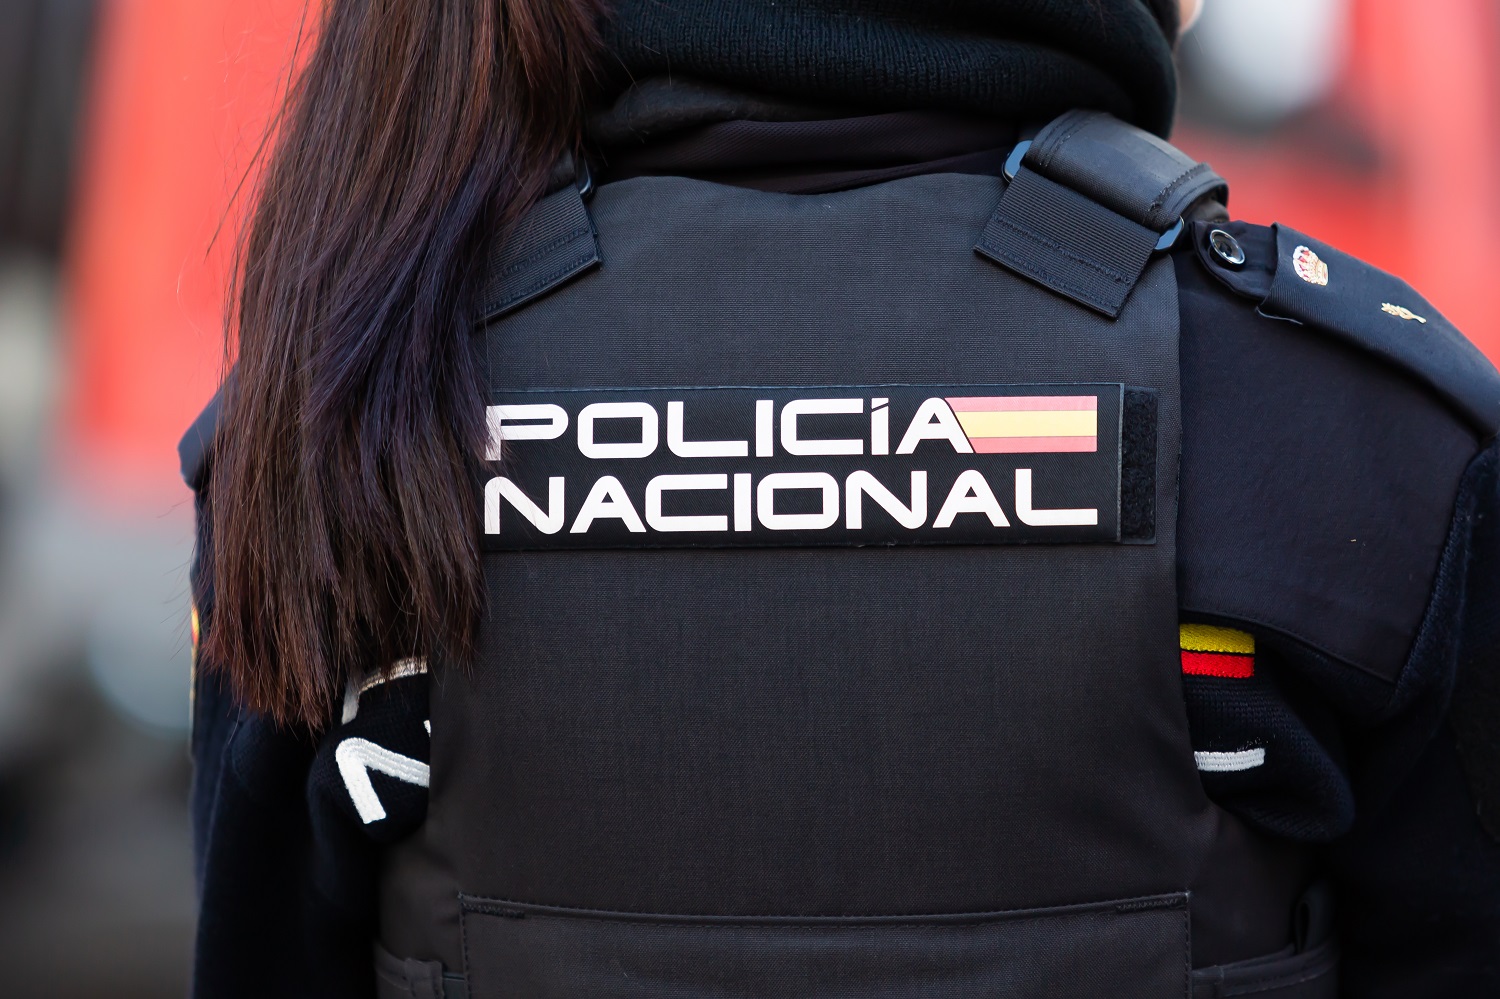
<point x="1323" y="289"/>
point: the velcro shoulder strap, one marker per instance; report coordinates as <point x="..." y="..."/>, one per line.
<point x="553" y="244"/>
<point x="1088" y="202"/>
<point x="1129" y="171"/>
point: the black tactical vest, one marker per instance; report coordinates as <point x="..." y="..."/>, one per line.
<point x="832" y="636"/>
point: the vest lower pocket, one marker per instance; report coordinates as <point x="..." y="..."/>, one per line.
<point x="1135" y="949"/>
<point x="1312" y="974"/>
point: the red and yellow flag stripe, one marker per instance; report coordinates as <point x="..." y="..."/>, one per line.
<point x="1029" y="424"/>
<point x="1211" y="651"/>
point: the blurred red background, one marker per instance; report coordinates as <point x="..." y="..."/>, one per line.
<point x="182" y="95"/>
<point x="1394" y="160"/>
<point x="1397" y="163"/>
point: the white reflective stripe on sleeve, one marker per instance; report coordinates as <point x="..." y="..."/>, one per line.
<point x="357" y="757"/>
<point x="1216" y="763"/>
<point x="355" y="689"/>
<point x="402" y="669"/>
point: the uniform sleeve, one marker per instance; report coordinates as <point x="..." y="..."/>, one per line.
<point x="1365" y="559"/>
<point x="370" y="776"/>
<point x="1419" y="874"/>
<point x="282" y="912"/>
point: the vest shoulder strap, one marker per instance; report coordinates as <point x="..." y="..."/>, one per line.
<point x="1087" y="204"/>
<point x="553" y="244"/>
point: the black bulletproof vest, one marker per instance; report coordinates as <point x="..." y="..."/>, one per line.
<point x="832" y="635"/>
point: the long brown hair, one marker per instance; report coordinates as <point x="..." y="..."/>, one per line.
<point x="344" y="506"/>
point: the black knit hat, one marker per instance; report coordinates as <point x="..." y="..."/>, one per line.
<point x="1023" y="60"/>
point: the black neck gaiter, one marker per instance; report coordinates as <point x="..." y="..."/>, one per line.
<point x="1015" y="60"/>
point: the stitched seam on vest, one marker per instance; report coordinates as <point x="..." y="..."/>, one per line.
<point x="502" y="914"/>
<point x="1026" y="267"/>
<point x="1029" y="268"/>
<point x="571" y="265"/>
<point x="1161" y="199"/>
<point x="463" y="932"/>
<point x="543" y="250"/>
<point x="510" y="909"/>
<point x="1187" y="952"/>
<point x="1055" y="146"/>
<point x="1037" y="237"/>
<point x="1310" y="971"/>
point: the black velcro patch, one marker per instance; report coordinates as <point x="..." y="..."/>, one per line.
<point x="1138" y="467"/>
<point x="843" y="465"/>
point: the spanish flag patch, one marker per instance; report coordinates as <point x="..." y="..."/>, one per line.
<point x="1029" y="424"/>
<point x="1211" y="651"/>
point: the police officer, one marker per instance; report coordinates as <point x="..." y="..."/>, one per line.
<point x="914" y="542"/>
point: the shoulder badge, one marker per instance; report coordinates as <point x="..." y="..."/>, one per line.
<point x="1309" y="266"/>
<point x="1322" y="288"/>
<point x="1402" y="312"/>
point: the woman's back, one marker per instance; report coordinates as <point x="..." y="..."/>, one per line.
<point x="833" y="575"/>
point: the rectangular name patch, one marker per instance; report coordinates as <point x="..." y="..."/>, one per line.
<point x="761" y="467"/>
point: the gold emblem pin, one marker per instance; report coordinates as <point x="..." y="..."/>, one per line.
<point x="1309" y="266"/>
<point x="1401" y="311"/>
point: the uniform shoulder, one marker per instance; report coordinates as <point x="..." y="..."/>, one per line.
<point x="1292" y="276"/>
<point x="195" y="449"/>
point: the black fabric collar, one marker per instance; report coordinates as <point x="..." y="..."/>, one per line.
<point x="683" y="130"/>
<point x="1011" y="60"/>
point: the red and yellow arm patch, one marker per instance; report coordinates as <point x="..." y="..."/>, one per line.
<point x="197" y="633"/>
<point x="1211" y="651"/>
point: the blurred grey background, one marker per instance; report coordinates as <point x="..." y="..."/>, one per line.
<point x="96" y="895"/>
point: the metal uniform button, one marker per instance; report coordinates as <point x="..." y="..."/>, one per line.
<point x="1226" y="248"/>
